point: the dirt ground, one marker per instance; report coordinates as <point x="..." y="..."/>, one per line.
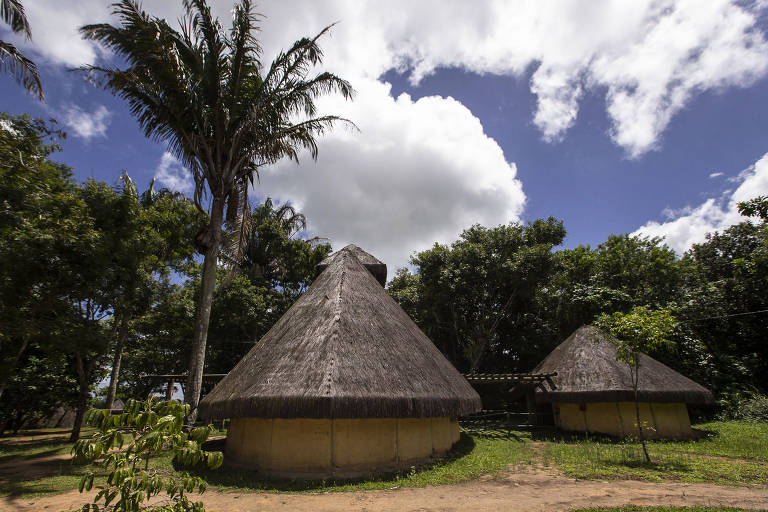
<point x="520" y="489"/>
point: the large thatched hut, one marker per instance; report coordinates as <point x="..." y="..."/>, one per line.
<point x="343" y="384"/>
<point x="593" y="391"/>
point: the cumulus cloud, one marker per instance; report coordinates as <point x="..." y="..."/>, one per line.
<point x="55" y="27"/>
<point x="171" y="174"/>
<point x="690" y="225"/>
<point x="649" y="57"/>
<point x="87" y="125"/>
<point x="416" y="173"/>
<point x="715" y="174"/>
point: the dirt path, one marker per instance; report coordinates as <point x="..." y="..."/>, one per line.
<point x="531" y="490"/>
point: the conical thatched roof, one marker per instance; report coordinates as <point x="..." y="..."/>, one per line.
<point x="345" y="349"/>
<point x="587" y="371"/>
<point x="374" y="266"/>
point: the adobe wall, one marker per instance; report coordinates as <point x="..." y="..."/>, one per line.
<point x="319" y="448"/>
<point x="666" y="420"/>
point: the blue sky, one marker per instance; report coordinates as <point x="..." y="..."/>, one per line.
<point x="644" y="117"/>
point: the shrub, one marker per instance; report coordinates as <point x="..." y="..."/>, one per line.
<point x="745" y="406"/>
<point x="125" y="443"/>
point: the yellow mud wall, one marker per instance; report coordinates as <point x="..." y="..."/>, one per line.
<point x="672" y="420"/>
<point x="321" y="446"/>
<point x="358" y="442"/>
<point x="571" y="417"/>
<point x="660" y="420"/>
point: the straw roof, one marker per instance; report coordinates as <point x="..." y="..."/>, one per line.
<point x="587" y="371"/>
<point x="374" y="265"/>
<point x="345" y="349"/>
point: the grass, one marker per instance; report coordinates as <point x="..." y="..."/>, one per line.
<point x="635" y="508"/>
<point x="732" y="453"/>
<point x="38" y="443"/>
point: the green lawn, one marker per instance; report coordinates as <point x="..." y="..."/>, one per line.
<point x="733" y="453"/>
<point x="35" y="443"/>
<point x="634" y="508"/>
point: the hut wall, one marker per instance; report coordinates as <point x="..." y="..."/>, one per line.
<point x="667" y="420"/>
<point x="316" y="448"/>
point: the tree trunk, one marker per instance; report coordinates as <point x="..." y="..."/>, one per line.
<point x="207" y="286"/>
<point x="637" y="410"/>
<point x="114" y="377"/>
<point x="169" y="390"/>
<point x="82" y="399"/>
<point x="24" y="343"/>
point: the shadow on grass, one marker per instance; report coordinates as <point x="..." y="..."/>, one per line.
<point x="40" y="478"/>
<point x="558" y="436"/>
<point x="10" y="450"/>
<point x="254" y="480"/>
<point x="36" y="433"/>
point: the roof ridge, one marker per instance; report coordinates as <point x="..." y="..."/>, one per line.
<point x="335" y="327"/>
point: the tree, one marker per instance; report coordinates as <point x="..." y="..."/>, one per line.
<point x="206" y="93"/>
<point x="125" y="443"/>
<point x="11" y="59"/>
<point x="156" y="233"/>
<point x="640" y="330"/>
<point x="724" y="304"/>
<point x="43" y="226"/>
<point x="757" y="207"/>
<point x="475" y="297"/>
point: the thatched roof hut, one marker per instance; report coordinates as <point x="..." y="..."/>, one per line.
<point x="348" y="357"/>
<point x="593" y="391"/>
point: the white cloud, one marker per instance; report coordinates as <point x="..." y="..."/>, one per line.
<point x="715" y="174"/>
<point x="416" y="173"/>
<point x="55" y="26"/>
<point x="173" y="175"/>
<point x="649" y="57"/>
<point x="5" y="125"/>
<point x="87" y="124"/>
<point x="691" y="224"/>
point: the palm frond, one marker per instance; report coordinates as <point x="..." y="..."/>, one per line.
<point x="12" y="12"/>
<point x="13" y="62"/>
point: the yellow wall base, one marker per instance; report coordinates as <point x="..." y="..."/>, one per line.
<point x="318" y="448"/>
<point x="660" y="420"/>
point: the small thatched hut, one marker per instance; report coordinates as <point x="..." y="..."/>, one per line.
<point x="343" y="384"/>
<point x="593" y="391"/>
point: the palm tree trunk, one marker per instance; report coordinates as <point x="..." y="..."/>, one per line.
<point x="114" y="377"/>
<point x="207" y="286"/>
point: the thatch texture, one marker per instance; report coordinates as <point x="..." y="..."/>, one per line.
<point x="345" y="349"/>
<point x="587" y="371"/>
<point x="374" y="266"/>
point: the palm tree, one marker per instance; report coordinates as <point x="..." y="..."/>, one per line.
<point x="205" y="92"/>
<point x="11" y="59"/>
<point x="255" y="248"/>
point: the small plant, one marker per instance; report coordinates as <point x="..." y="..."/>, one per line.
<point x="125" y="443"/>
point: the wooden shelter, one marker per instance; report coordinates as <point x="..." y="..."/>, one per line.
<point x="343" y="384"/>
<point x="593" y="392"/>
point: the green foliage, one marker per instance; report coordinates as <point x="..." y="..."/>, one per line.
<point x="744" y="406"/>
<point x="637" y="508"/>
<point x="41" y="383"/>
<point x="756" y="207"/>
<point x="640" y="330"/>
<point x="473" y="298"/>
<point x="124" y="445"/>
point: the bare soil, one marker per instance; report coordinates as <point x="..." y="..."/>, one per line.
<point x="519" y="489"/>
